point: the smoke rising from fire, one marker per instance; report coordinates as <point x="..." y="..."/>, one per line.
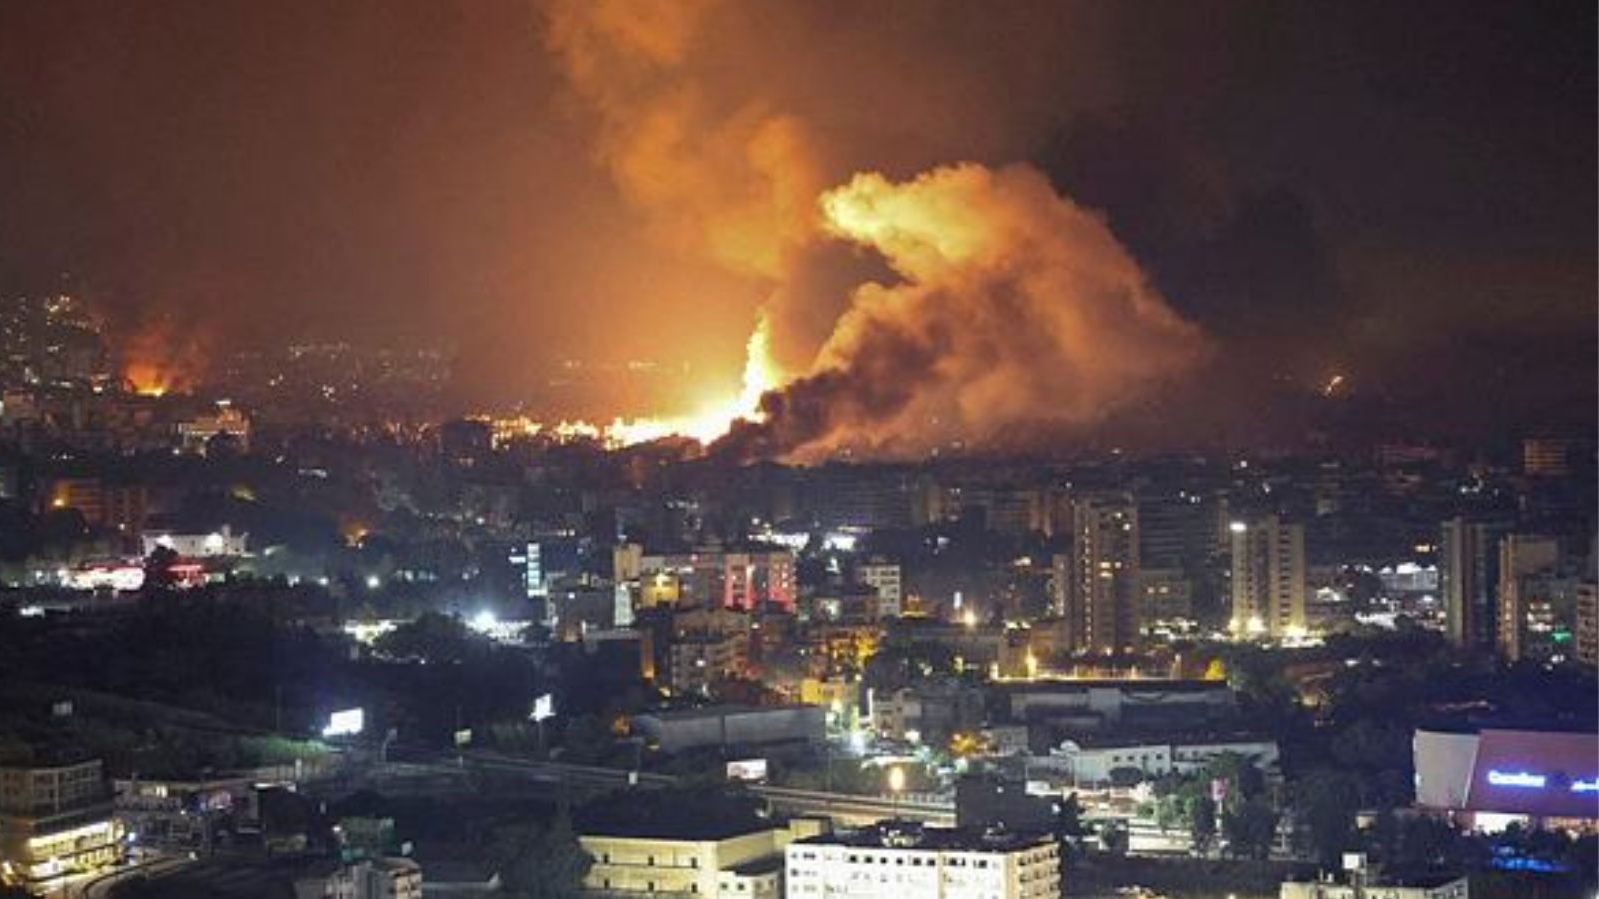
<point x="159" y="357"/>
<point x="1015" y="310"/>
<point x="1018" y="313"/>
<point x="736" y="182"/>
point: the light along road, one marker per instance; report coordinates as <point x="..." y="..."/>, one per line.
<point x="845" y="807"/>
<point x="99" y="886"/>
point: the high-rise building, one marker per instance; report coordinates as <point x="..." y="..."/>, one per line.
<point x="1527" y="588"/>
<point x="1587" y="629"/>
<point x="884" y="577"/>
<point x="1546" y="457"/>
<point x="1103" y="600"/>
<point x="1468" y="572"/>
<point x="1268" y="578"/>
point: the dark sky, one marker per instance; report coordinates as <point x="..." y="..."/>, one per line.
<point x="1401" y="191"/>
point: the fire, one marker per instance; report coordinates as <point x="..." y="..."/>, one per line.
<point x="712" y="420"/>
<point x="148" y="379"/>
<point x="716" y="417"/>
<point x="161" y="357"/>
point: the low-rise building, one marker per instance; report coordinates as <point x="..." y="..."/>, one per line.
<point x="739" y="862"/>
<point x="931" y="711"/>
<point x="55" y="820"/>
<point x="1183" y="704"/>
<point x="897" y="859"/>
<point x="1490" y="778"/>
<point x="1091" y="760"/>
<point x="177" y="813"/>
<point x="381" y="878"/>
<point x="197" y="545"/>
<point x="732" y="725"/>
<point x="1360" y="881"/>
<point x="696" y="661"/>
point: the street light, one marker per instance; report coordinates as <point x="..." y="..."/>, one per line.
<point x="896" y="785"/>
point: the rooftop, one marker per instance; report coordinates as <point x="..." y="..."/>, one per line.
<point x="720" y="711"/>
<point x="913" y="835"/>
<point x="769" y="864"/>
<point x="686" y="829"/>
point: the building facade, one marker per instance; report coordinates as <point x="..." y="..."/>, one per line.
<point x="743" y="864"/>
<point x="1468" y="572"/>
<point x="884" y="577"/>
<point x="1268" y="578"/>
<point x="894" y="860"/>
<point x="54" y="821"/>
<point x="1587" y="627"/>
<point x="1103" y="598"/>
<point x="1526" y="595"/>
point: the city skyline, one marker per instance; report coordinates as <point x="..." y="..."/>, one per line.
<point x="1377" y="195"/>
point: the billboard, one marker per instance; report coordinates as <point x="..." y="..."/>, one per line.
<point x="1514" y="772"/>
<point x="346" y="723"/>
<point x="747" y="770"/>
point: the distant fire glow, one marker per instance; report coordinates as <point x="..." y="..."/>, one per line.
<point x="160" y="358"/>
<point x="711" y="421"/>
<point x="147" y="379"/>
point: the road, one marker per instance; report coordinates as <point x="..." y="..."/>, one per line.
<point x="98" y="886"/>
<point x="845" y="807"/>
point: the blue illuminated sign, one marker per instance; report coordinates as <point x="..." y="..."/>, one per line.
<point x="1526" y="780"/>
<point x="1520" y="779"/>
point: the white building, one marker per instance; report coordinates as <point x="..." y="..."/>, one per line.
<point x="1092" y="762"/>
<point x="1359" y="881"/>
<point x="195" y="434"/>
<point x="389" y="878"/>
<point x="1456" y="888"/>
<point x="896" y="860"/>
<point x="884" y="577"/>
<point x="221" y="542"/>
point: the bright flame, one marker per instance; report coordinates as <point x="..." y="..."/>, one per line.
<point x="707" y="424"/>
<point x="714" y="419"/>
<point x="148" y="379"/>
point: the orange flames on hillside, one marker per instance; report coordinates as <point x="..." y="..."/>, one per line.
<point x="709" y="422"/>
<point x="160" y="358"/>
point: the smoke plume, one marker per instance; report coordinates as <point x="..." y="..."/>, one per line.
<point x="1014" y="310"/>
<point x="1018" y="313"/>
<point x="735" y="181"/>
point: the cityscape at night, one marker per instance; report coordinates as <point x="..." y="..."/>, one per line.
<point x="799" y="449"/>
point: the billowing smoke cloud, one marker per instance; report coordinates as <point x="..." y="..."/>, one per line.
<point x="736" y="181"/>
<point x="1015" y="309"/>
<point x="1019" y="312"/>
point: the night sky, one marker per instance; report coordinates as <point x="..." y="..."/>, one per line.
<point x="1400" y="192"/>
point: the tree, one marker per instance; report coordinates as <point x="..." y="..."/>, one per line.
<point x="1202" y="823"/>
<point x="541" y="862"/>
<point x="1126" y="777"/>
<point x="159" y="576"/>
<point x="433" y="638"/>
<point x="1069" y="818"/>
<point x="1250" y="828"/>
<point x="1327" y="801"/>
